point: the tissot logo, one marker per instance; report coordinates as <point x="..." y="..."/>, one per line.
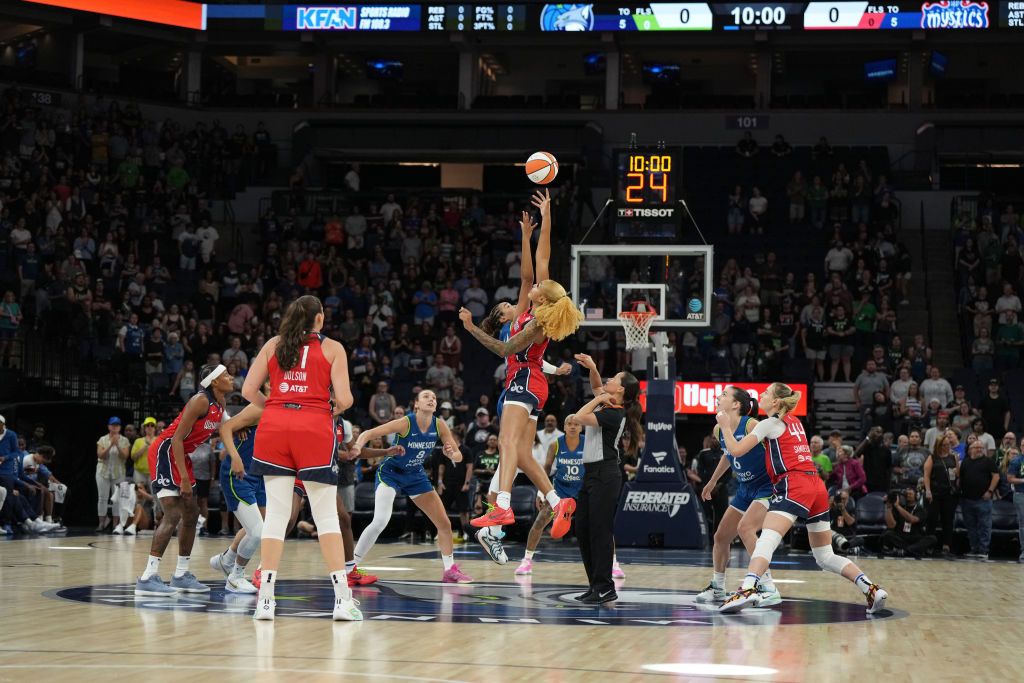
<point x="659" y="427"/>
<point x="630" y="212"/>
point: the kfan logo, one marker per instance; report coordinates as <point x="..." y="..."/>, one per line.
<point x="667" y="502"/>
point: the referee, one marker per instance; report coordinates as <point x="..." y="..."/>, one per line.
<point x="613" y="411"/>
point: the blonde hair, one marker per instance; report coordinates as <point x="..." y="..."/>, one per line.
<point x="787" y="397"/>
<point x="558" y="316"/>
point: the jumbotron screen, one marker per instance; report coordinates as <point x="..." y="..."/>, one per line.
<point x="818" y="15"/>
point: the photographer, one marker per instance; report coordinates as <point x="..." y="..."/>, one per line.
<point x="844" y="524"/>
<point x="905" y="521"/>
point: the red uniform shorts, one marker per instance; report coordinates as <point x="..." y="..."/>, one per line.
<point x="802" y="494"/>
<point x="296" y="442"/>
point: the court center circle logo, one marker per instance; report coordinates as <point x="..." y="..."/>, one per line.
<point x="521" y="603"/>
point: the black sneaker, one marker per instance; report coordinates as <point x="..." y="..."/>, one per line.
<point x="583" y="596"/>
<point x="599" y="598"/>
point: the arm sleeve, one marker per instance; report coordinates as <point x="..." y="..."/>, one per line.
<point x="772" y="428"/>
<point x="548" y="368"/>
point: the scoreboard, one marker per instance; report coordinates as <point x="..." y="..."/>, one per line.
<point x="525" y="17"/>
<point x="817" y="15"/>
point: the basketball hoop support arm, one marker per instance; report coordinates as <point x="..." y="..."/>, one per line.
<point x="596" y="219"/>
<point x="692" y="220"/>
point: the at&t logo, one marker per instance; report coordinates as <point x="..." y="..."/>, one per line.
<point x="283" y="387"/>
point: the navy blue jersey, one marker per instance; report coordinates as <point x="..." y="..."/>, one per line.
<point x="568" y="477"/>
<point x="751" y="470"/>
<point x="418" y="444"/>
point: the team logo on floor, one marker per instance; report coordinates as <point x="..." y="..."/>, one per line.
<point x="522" y="603"/>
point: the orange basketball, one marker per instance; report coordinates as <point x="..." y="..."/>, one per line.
<point x="542" y="167"/>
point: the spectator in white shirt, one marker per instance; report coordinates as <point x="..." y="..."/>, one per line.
<point x="838" y="258"/>
<point x="936" y="388"/>
<point x="940" y="428"/>
<point x="898" y="389"/>
<point x="509" y="291"/>
<point x="389" y="208"/>
<point x="235" y="354"/>
<point x="208" y="237"/>
<point x="986" y="439"/>
<point x="475" y="299"/>
<point x="352" y="178"/>
<point x="548" y="435"/>
<point x="355" y="228"/>
<point x="1009" y="301"/>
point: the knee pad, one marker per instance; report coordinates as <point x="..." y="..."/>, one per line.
<point x="248" y="546"/>
<point x="251" y="520"/>
<point x="815" y="527"/>
<point x="767" y="544"/>
<point x="828" y="560"/>
<point x="279" y="506"/>
<point x="324" y="505"/>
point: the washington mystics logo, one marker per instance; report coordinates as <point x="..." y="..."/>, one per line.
<point x="567" y="17"/>
<point x="950" y="14"/>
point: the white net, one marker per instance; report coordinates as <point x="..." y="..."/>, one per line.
<point x="637" y="325"/>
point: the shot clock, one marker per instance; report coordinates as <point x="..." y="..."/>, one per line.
<point x="646" y="183"/>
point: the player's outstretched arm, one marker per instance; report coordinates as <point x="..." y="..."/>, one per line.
<point x="526" y="267"/>
<point x="542" y="200"/>
<point x="516" y="343"/>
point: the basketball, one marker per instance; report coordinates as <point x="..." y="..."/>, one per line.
<point x="542" y="167"/>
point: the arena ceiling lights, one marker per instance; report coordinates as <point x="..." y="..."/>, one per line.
<point x="168" y="12"/>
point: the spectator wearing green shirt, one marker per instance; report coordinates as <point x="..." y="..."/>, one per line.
<point x="177" y="177"/>
<point x="817" y="202"/>
<point x="820" y="458"/>
<point x="865" y="318"/>
<point x="1009" y="339"/>
<point x="129" y="173"/>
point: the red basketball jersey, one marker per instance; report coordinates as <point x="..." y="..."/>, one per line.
<point x="788" y="451"/>
<point x="532" y="356"/>
<point x="203" y="427"/>
<point x="308" y="384"/>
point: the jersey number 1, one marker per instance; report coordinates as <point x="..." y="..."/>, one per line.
<point x="305" y="352"/>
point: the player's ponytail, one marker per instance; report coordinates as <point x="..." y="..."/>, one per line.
<point x="747" y="404"/>
<point x="558" y="316"/>
<point x="634" y="414"/>
<point x="492" y="323"/>
<point x="788" y="398"/>
<point x="296" y="324"/>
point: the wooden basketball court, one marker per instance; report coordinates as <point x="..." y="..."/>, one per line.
<point x="70" y="614"/>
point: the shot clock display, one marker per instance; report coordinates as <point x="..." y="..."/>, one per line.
<point x="646" y="181"/>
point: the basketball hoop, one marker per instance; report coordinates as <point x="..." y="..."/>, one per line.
<point x="637" y="325"/>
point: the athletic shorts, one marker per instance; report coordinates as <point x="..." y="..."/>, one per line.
<point x="563" y="490"/>
<point x="165" y="476"/>
<point x="299" y="489"/>
<point x="745" y="495"/>
<point x="296" y="443"/>
<point x="248" y="490"/>
<point x="411" y="482"/>
<point x="527" y="388"/>
<point x="802" y="494"/>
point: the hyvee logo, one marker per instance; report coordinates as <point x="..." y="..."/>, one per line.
<point x="656" y="501"/>
<point x="659" y="427"/>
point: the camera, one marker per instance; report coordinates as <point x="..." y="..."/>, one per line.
<point x="837" y="499"/>
<point x="893" y="497"/>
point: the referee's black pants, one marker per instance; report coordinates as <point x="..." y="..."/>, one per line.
<point x="595" y="520"/>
